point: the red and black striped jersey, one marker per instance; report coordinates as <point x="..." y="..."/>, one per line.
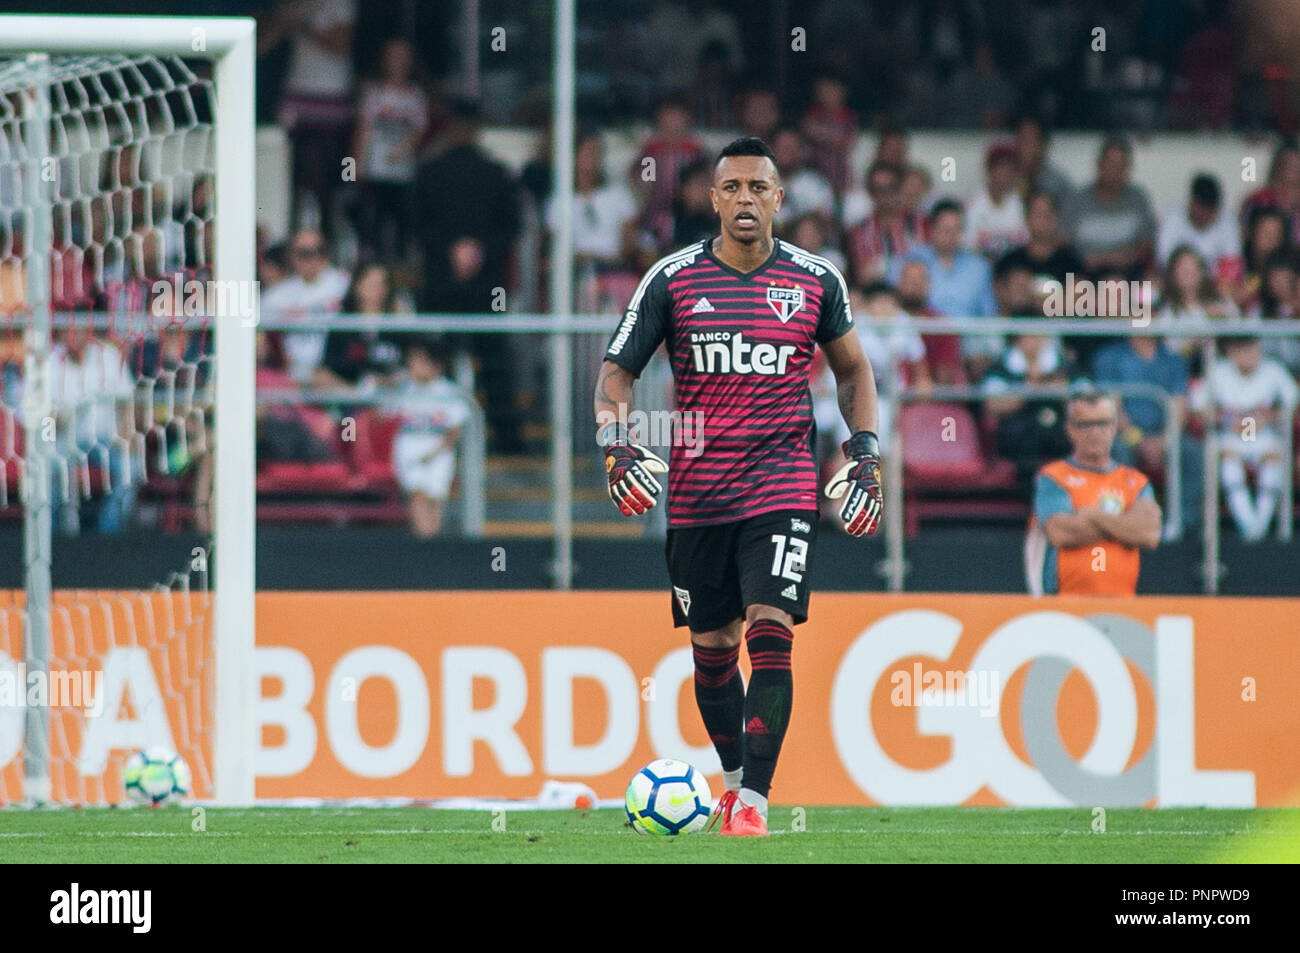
<point x="741" y="347"/>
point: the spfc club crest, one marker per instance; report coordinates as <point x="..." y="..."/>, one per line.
<point x="786" y="302"/>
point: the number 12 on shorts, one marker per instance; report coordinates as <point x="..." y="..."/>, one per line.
<point x="789" y="559"/>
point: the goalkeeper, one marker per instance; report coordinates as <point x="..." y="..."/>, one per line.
<point x="741" y="315"/>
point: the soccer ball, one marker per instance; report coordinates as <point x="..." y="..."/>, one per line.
<point x="668" y="797"/>
<point x="156" y="776"/>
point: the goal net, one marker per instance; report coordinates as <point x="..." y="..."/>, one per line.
<point x="108" y="443"/>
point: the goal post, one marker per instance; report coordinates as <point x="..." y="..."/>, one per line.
<point x="230" y="45"/>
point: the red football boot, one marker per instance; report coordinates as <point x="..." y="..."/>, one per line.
<point x="746" y="822"/>
<point x="726" y="804"/>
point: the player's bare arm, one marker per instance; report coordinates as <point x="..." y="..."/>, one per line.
<point x="613" y="390"/>
<point x="855" y="383"/>
<point x="858" y="481"/>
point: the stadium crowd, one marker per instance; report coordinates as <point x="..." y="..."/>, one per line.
<point x="432" y="222"/>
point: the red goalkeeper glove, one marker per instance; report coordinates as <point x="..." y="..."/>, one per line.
<point x="858" y="482"/>
<point x="631" y="472"/>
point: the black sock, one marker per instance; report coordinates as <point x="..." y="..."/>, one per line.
<point x="720" y="695"/>
<point x="767" y="701"/>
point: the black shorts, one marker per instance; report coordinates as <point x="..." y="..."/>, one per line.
<point x="719" y="571"/>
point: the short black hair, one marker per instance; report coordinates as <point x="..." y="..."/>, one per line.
<point x="880" y="165"/>
<point x="944" y="206"/>
<point x="1120" y="142"/>
<point x="746" y="146"/>
<point x="431" y="346"/>
<point x="874" y="288"/>
<point x="1206" y="190"/>
<point x="1036" y="194"/>
<point x="1008" y="263"/>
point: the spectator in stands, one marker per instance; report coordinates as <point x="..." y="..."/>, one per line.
<point x="604" y="213"/>
<point x="1187" y="291"/>
<point x="693" y="216"/>
<point x="1278" y="301"/>
<point x="831" y="129"/>
<point x="892" y="146"/>
<point x="392" y="117"/>
<point x="760" y="113"/>
<point x="889" y="232"/>
<point x="273" y="266"/>
<point x="92" y="388"/>
<point x="942" y="351"/>
<point x="368" y="358"/>
<point x="980" y="94"/>
<point x="1276" y="297"/>
<point x="1265" y="235"/>
<point x="961" y="283"/>
<point x="433" y="413"/>
<point x="1140" y="436"/>
<point x="316" y="108"/>
<point x="467" y="207"/>
<point x="891" y="149"/>
<point x="1203" y="226"/>
<point x="1110" y="221"/>
<point x="916" y="192"/>
<point x="672" y="146"/>
<point x="314" y="290"/>
<point x="1253" y="396"/>
<point x="806" y="189"/>
<point x="1047" y="253"/>
<point x="1037" y="174"/>
<point x="812" y="234"/>
<point x="1282" y="192"/>
<point x="713" y="94"/>
<point x="1028" y="430"/>
<point x="995" y="215"/>
<point x="1091" y="515"/>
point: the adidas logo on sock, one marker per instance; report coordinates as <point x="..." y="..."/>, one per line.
<point x="790" y="592"/>
<point x="756" y="727"/>
<point x="702" y="305"/>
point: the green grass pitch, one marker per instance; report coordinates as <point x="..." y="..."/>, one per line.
<point x="829" y="835"/>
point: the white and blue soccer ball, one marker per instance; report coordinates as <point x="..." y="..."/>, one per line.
<point x="668" y="797"/>
<point x="156" y="776"/>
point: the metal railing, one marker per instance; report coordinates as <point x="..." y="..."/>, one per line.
<point x="564" y="326"/>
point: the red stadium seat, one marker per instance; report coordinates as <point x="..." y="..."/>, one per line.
<point x="372" y="451"/>
<point x="952" y="478"/>
<point x="928" y="456"/>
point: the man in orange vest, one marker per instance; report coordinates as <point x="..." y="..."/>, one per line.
<point x="1091" y="514"/>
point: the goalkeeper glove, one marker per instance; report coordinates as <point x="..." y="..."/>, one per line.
<point x="630" y="470"/>
<point x="859" y="481"/>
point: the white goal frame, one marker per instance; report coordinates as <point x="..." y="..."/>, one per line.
<point x="230" y="44"/>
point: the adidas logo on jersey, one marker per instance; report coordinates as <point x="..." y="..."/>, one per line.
<point x="725" y="352"/>
<point x="790" y="592"/>
<point x="701" y="306"/>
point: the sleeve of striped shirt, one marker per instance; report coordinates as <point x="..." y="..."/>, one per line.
<point x="836" y="318"/>
<point x="645" y="324"/>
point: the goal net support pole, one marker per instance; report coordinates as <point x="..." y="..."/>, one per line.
<point x="230" y="44"/>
